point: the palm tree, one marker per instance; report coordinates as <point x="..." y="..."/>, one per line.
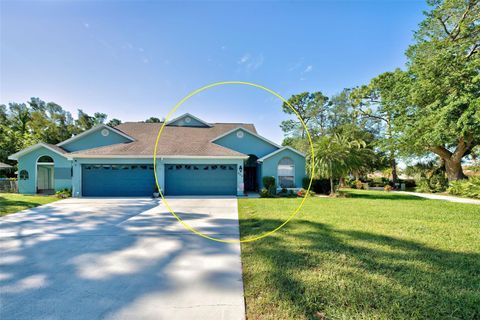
<point x="336" y="155"/>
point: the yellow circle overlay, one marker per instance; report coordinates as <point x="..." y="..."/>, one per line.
<point x="216" y="84"/>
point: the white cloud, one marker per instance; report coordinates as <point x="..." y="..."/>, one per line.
<point x="251" y="62"/>
<point x="244" y="58"/>
<point x="296" y="65"/>
<point x="256" y="62"/>
<point x="308" y="69"/>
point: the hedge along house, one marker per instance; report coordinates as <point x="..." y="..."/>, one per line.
<point x="193" y="158"/>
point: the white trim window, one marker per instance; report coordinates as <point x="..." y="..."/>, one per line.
<point x="286" y="173"/>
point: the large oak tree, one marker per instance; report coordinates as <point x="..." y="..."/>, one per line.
<point x="442" y="112"/>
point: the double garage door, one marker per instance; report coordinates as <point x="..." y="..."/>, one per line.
<point x="134" y="180"/>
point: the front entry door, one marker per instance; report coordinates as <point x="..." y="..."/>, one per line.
<point x="249" y="178"/>
<point x="45" y="178"/>
<point x="250" y="174"/>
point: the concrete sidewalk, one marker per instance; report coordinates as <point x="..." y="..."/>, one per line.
<point x="121" y="259"/>
<point x="441" y="197"/>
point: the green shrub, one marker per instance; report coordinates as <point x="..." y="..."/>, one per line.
<point x="264" y="193"/>
<point x="63" y="194"/>
<point x="285" y="193"/>
<point x="350" y="182"/>
<point x="321" y="186"/>
<point x="303" y="192"/>
<point x="436" y="183"/>
<point x="423" y="186"/>
<point x="358" y="184"/>
<point x="340" y="194"/>
<point x="409" y="183"/>
<point x="379" y="182"/>
<point x="270" y="185"/>
<point x="272" y="190"/>
<point x="466" y="188"/>
<point x="268" y="181"/>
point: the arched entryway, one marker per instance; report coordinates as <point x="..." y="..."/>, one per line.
<point x="250" y="173"/>
<point x="45" y="175"/>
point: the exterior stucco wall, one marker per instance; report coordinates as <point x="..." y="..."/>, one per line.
<point x="270" y="165"/>
<point x="248" y="144"/>
<point x="62" y="170"/>
<point x="93" y="140"/>
<point x="160" y="168"/>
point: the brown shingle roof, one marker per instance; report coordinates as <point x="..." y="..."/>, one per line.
<point x="174" y="141"/>
<point x="57" y="148"/>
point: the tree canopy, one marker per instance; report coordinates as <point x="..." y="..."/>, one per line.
<point x="24" y="124"/>
<point x="433" y="106"/>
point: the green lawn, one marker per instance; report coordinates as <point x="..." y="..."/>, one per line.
<point x="12" y="202"/>
<point x="375" y="255"/>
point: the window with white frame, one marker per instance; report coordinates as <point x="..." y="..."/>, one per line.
<point x="286" y="173"/>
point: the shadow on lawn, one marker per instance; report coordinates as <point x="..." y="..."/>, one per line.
<point x="316" y="269"/>
<point x="384" y="196"/>
<point x="7" y="204"/>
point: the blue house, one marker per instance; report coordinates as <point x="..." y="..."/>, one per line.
<point x="193" y="158"/>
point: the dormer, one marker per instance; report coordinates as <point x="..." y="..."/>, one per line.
<point x="188" y="120"/>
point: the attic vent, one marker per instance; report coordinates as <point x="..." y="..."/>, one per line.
<point x="239" y="134"/>
<point x="105" y="132"/>
<point x="188" y="119"/>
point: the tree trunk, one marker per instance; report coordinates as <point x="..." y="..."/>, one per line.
<point x="453" y="160"/>
<point x="393" y="164"/>
<point x="341" y="182"/>
<point x="454" y="170"/>
<point x="332" y="191"/>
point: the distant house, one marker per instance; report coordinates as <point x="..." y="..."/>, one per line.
<point x="4" y="166"/>
<point x="193" y="158"/>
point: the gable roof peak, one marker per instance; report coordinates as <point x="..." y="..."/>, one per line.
<point x="248" y="131"/>
<point x="186" y="118"/>
<point x="51" y="147"/>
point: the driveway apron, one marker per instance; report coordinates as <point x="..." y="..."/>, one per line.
<point x="121" y="259"/>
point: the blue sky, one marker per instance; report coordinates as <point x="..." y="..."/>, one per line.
<point x="136" y="59"/>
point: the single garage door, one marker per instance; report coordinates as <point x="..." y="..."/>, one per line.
<point x="117" y="180"/>
<point x="190" y="179"/>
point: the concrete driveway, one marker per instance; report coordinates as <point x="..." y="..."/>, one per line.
<point x="121" y="259"/>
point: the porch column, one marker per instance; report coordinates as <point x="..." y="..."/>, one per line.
<point x="77" y="179"/>
<point x="240" y="184"/>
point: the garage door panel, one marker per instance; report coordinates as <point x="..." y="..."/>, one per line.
<point x="200" y="179"/>
<point x="113" y="180"/>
